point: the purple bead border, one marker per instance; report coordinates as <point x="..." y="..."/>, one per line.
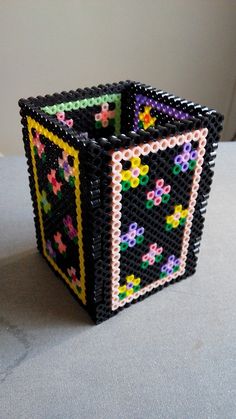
<point x="144" y="100"/>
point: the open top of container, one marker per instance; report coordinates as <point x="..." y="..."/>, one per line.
<point x="123" y="113"/>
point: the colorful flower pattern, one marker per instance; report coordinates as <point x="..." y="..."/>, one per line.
<point x="66" y="171"/>
<point x="132" y="285"/>
<point x="70" y="229"/>
<point x="146" y="120"/>
<point x="154" y="255"/>
<point x="54" y="185"/>
<point x="61" y="116"/>
<point x="172" y="265"/>
<point x="137" y="174"/>
<point x="177" y="218"/>
<point x="105" y="117"/>
<point x="158" y="195"/>
<point x="39" y="147"/>
<point x="133" y="236"/>
<point x="185" y="161"/>
<point x="59" y="243"/>
<point x="73" y="278"/>
<point x="130" y="178"/>
<point x="62" y="248"/>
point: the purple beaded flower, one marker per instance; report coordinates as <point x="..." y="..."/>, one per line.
<point x="66" y="171"/>
<point x="185" y="161"/>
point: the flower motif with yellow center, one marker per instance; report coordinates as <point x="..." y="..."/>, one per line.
<point x="132" y="285"/>
<point x="177" y="218"/>
<point x="137" y="174"/>
<point x="146" y="120"/>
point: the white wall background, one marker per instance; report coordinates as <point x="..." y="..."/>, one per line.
<point x="184" y="46"/>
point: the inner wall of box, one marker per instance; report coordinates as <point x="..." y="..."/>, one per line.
<point x="102" y="116"/>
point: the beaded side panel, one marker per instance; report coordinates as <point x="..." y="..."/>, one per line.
<point x="57" y="184"/>
<point x="154" y="192"/>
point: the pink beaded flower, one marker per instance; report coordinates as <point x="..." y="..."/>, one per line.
<point x="54" y="185"/>
<point x="154" y="255"/>
<point x="61" y="116"/>
<point x="38" y="146"/>
<point x="105" y="116"/>
<point x="59" y="243"/>
<point x="161" y="194"/>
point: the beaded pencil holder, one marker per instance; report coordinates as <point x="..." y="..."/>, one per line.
<point x="119" y="176"/>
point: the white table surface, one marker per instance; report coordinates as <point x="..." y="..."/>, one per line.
<point x="170" y="356"/>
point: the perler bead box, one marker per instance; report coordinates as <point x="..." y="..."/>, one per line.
<point x="120" y="176"/>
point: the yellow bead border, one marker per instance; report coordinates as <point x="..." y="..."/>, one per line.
<point x="74" y="153"/>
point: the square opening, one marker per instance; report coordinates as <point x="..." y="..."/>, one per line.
<point x="116" y="109"/>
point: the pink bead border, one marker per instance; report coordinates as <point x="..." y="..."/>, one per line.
<point x="126" y="154"/>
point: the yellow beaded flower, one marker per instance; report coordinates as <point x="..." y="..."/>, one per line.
<point x="145" y="119"/>
<point x="177" y="218"/>
<point x="136" y="175"/>
<point x="132" y="285"/>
